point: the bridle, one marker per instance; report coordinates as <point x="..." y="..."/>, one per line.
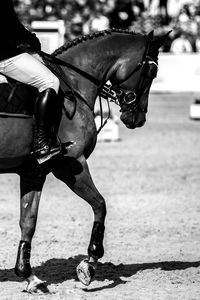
<point x="126" y="99"/>
<point x="129" y="98"/>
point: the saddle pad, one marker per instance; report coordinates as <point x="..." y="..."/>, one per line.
<point x="17" y="98"/>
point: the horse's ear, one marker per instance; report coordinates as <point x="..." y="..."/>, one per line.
<point x="150" y="35"/>
<point x="159" y="41"/>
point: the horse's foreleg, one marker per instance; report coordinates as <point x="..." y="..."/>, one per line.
<point x="83" y="185"/>
<point x="30" y="198"/>
<point x="28" y="217"/>
<point x="87" y="267"/>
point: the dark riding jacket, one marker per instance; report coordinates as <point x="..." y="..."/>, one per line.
<point x="13" y="33"/>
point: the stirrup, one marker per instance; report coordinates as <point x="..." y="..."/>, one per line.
<point x="52" y="152"/>
<point x="49" y="151"/>
<point x="61" y="149"/>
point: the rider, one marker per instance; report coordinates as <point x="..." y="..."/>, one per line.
<point x="24" y="67"/>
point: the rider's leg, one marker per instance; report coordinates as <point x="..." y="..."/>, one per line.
<point x="29" y="70"/>
<point x="45" y="116"/>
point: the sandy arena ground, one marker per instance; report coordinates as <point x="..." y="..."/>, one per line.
<point x="150" y="181"/>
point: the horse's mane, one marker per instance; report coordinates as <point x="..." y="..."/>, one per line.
<point x="91" y="36"/>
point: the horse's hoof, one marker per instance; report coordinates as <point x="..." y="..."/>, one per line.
<point x="35" y="285"/>
<point x="85" y="272"/>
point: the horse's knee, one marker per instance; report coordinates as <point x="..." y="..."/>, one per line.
<point x="95" y="248"/>
<point x="23" y="267"/>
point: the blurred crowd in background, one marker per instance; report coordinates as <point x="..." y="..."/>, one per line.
<point x="85" y="16"/>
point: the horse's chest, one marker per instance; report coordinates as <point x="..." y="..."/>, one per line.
<point x="81" y="129"/>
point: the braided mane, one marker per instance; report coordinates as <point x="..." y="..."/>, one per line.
<point x="87" y="37"/>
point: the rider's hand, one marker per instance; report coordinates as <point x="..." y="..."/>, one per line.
<point x="34" y="43"/>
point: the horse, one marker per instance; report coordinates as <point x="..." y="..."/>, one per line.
<point x="129" y="62"/>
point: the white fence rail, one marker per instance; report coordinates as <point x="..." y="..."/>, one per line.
<point x="177" y="73"/>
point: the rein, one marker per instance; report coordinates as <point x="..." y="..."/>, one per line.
<point x="68" y="65"/>
<point x="104" y="90"/>
<point x="102" y="86"/>
<point x="97" y="82"/>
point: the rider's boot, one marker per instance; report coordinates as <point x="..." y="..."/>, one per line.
<point x="46" y="145"/>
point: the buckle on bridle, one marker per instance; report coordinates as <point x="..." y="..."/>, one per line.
<point x="117" y="95"/>
<point x="125" y="97"/>
<point x="129" y="97"/>
<point x="109" y="93"/>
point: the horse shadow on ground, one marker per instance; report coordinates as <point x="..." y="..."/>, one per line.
<point x="58" y="270"/>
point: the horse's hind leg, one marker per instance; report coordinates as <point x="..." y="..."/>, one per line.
<point x="81" y="183"/>
<point x="30" y="189"/>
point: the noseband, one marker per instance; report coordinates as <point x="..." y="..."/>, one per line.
<point x="129" y="99"/>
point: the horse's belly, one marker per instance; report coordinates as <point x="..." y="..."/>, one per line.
<point x="16" y="136"/>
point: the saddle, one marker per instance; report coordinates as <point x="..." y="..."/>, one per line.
<point x="18" y="99"/>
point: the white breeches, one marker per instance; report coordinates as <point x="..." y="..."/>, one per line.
<point x="28" y="69"/>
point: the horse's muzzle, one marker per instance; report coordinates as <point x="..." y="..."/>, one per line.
<point x="133" y="121"/>
<point x="141" y="123"/>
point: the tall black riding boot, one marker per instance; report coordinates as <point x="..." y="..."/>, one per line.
<point x="47" y="110"/>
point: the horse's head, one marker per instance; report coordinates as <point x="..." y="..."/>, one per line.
<point x="126" y="59"/>
<point x="132" y="85"/>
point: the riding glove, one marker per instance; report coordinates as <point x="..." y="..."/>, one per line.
<point x="34" y="42"/>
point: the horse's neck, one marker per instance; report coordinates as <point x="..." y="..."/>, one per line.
<point x="86" y="87"/>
